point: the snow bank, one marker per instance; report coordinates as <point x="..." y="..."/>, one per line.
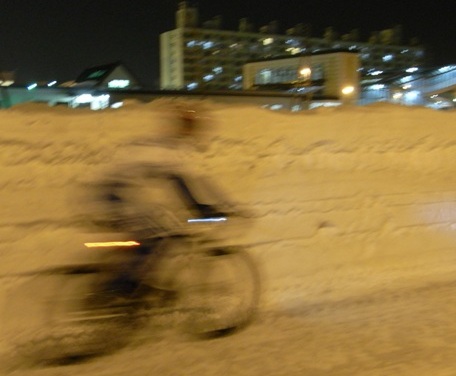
<point x="347" y="198"/>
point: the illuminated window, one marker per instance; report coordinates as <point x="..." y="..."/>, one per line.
<point x="84" y="98"/>
<point x="406" y="79"/>
<point x="208" y="77"/>
<point x="265" y="76"/>
<point x="267" y="41"/>
<point x="292" y="42"/>
<point x="446" y="69"/>
<point x="387" y="58"/>
<point x="118" y="84"/>
<point x="208" y="44"/>
<point x="217" y="70"/>
<point x="192" y="85"/>
<point x="293" y="50"/>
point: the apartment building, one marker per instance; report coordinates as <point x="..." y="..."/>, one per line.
<point x="203" y="56"/>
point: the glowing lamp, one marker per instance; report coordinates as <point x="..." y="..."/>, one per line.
<point x="347" y="90"/>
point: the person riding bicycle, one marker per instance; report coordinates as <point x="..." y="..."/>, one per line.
<point x="154" y="191"/>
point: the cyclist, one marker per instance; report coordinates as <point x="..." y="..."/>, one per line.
<point x="154" y="191"/>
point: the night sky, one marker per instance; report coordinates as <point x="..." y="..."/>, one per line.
<point x="43" y="40"/>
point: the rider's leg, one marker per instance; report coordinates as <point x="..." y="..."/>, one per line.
<point x="128" y="279"/>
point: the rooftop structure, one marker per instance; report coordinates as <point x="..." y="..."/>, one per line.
<point x="7" y="78"/>
<point x="113" y="76"/>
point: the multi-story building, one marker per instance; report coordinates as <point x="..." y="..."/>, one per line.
<point x="206" y="57"/>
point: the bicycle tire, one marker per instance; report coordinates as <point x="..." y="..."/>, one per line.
<point x="43" y="323"/>
<point x="222" y="294"/>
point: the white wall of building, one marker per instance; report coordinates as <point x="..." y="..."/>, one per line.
<point x="339" y="70"/>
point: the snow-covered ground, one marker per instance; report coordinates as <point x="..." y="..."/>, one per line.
<point x="351" y="202"/>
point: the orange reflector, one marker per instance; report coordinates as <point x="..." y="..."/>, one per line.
<point x="129" y="243"/>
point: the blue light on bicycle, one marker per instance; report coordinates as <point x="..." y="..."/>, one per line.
<point x="216" y="219"/>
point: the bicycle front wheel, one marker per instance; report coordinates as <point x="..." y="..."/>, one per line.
<point x="221" y="292"/>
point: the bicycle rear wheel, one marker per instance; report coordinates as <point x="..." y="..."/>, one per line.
<point x="221" y="292"/>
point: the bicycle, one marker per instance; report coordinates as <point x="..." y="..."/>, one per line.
<point x="210" y="289"/>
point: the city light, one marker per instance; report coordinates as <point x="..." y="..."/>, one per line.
<point x="305" y="73"/>
<point x="84" y="98"/>
<point x="117" y="105"/>
<point x="347" y="90"/>
<point x="412" y="95"/>
<point x="207" y="45"/>
<point x="387" y="58"/>
<point x="118" y="84"/>
<point x="294" y="50"/>
<point x="6" y="83"/>
<point x="52" y="83"/>
<point x="32" y="86"/>
<point x="447" y="68"/>
<point x="406" y="79"/>
<point x="411" y="70"/>
<point x="95" y="102"/>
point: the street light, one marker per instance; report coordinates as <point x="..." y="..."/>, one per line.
<point x="347" y="90"/>
<point x="305" y="73"/>
<point x="347" y="93"/>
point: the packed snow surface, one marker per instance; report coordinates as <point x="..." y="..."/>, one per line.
<point x="349" y="202"/>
